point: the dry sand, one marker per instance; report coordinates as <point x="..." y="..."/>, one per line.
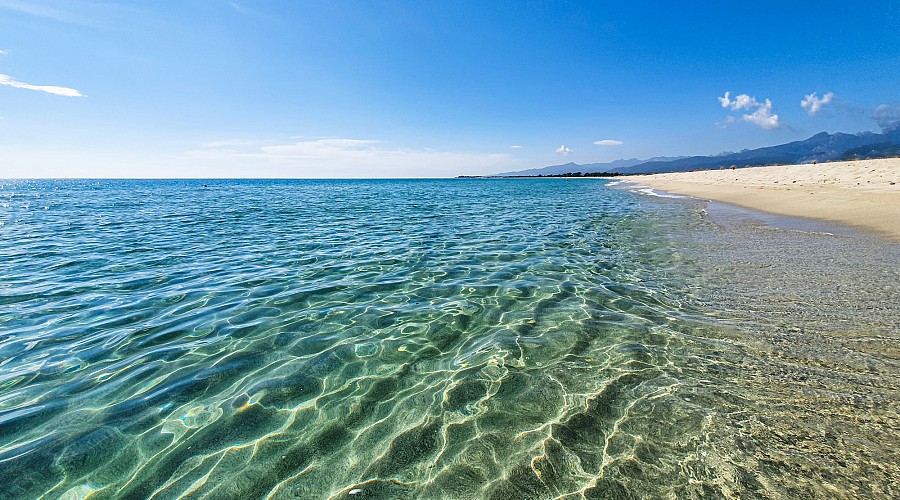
<point x="863" y="193"/>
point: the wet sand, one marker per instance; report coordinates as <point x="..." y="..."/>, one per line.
<point x="862" y="193"/>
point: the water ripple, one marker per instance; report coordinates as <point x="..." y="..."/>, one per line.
<point x="458" y="339"/>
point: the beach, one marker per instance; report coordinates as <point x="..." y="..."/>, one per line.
<point x="862" y="193"/>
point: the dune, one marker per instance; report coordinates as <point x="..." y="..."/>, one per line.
<point x="861" y="193"/>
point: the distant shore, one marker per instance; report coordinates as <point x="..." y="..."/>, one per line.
<point x="862" y="193"/>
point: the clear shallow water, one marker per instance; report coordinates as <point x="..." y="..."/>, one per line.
<point x="428" y="339"/>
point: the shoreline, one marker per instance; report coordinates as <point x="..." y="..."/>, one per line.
<point x="859" y="193"/>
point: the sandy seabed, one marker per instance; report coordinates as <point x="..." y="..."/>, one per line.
<point x="862" y="193"/>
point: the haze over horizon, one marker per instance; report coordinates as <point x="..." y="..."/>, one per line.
<point x="212" y="88"/>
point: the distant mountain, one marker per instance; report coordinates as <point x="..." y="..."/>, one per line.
<point x="820" y="148"/>
<point x="570" y="167"/>
<point x="880" y="150"/>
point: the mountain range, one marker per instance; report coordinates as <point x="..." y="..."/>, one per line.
<point x="821" y="147"/>
<point x="568" y="168"/>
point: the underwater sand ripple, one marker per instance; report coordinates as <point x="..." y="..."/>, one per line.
<point x="404" y="338"/>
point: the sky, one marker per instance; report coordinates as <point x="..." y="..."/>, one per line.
<point x="311" y="89"/>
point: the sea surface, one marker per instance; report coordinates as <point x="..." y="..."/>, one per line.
<point x="472" y="338"/>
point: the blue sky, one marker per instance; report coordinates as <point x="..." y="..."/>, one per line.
<point x="242" y="88"/>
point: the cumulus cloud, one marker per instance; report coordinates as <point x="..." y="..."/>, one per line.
<point x="338" y="157"/>
<point x="725" y="101"/>
<point x="50" y="89"/>
<point x="744" y="101"/>
<point x="608" y="142"/>
<point x="741" y="101"/>
<point x="812" y="103"/>
<point x="564" y="151"/>
<point x="762" y="115"/>
<point x="3" y="52"/>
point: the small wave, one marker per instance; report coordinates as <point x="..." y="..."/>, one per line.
<point x="659" y="194"/>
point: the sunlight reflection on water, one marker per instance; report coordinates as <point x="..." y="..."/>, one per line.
<point x="456" y="338"/>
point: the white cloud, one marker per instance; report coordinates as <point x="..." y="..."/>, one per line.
<point x="608" y="142"/>
<point x="50" y="89"/>
<point x="336" y="157"/>
<point x="813" y="104"/>
<point x="3" y="52"/>
<point x="724" y="101"/>
<point x="564" y="151"/>
<point x="742" y="101"/>
<point x="763" y="117"/>
<point x="515" y="147"/>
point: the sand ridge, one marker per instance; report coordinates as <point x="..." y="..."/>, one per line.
<point x="863" y="193"/>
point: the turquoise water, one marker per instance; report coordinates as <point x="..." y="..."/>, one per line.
<point x="436" y="339"/>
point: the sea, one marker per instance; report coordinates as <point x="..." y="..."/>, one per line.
<point x="455" y="338"/>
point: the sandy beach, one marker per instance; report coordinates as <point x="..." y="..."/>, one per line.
<point x="863" y="193"/>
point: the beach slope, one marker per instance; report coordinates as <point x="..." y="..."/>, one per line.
<point x="862" y="193"/>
